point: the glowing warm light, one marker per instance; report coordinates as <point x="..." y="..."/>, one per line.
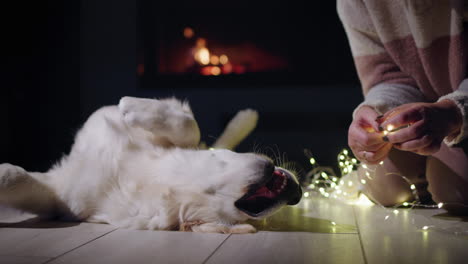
<point x="386" y="217"/>
<point x="215" y="71"/>
<point x="202" y="55"/>
<point x="211" y="148"/>
<point x="381" y="163"/>
<point x="312" y="186"/>
<point x="364" y="166"/>
<point x="345" y="151"/>
<point x="341" y="164"/>
<point x="425" y="228"/>
<point x="306" y="194"/>
<point x="333" y="223"/>
<point x="363" y="181"/>
<point x="227" y="68"/>
<point x="440" y="205"/>
<point x="363" y="200"/>
<point x="188" y="32"/>
<point x="214" y="60"/>
<point x="223" y="59"/>
<point x="385" y="132"/>
<point x="321" y="189"/>
<point x="312" y="161"/>
<point x="342" y="157"/>
<point x="326" y="195"/>
<point x="413" y="187"/>
<point x="390" y="128"/>
<point x="353" y="160"/>
<point x="324" y="175"/>
<point x="350" y="183"/>
<point x="367" y="174"/>
<point x="395" y="211"/>
<point x="334" y="179"/>
<point x="405" y="204"/>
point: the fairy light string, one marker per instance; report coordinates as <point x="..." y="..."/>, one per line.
<point x="347" y="186"/>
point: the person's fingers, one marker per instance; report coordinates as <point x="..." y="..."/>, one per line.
<point x="366" y="118"/>
<point x="362" y="155"/>
<point x="399" y="119"/>
<point x="431" y="148"/>
<point x="365" y="138"/>
<point x="416" y="144"/>
<point x="377" y="156"/>
<point x="390" y="114"/>
<point x="371" y="148"/>
<point x="413" y="131"/>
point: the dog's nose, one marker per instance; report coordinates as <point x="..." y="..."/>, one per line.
<point x="296" y="195"/>
<point x="269" y="168"/>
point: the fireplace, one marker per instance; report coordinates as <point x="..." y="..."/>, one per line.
<point x="241" y="43"/>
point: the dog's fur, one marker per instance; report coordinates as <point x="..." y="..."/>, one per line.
<point x="136" y="165"/>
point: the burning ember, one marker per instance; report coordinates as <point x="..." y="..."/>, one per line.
<point x="206" y="62"/>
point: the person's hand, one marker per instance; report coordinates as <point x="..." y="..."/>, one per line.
<point x="365" y="139"/>
<point x="424" y="125"/>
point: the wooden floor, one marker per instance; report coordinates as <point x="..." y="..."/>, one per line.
<point x="316" y="231"/>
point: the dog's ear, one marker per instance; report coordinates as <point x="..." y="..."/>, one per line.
<point x="237" y="129"/>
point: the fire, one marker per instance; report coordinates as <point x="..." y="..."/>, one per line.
<point x="202" y="55"/>
<point x="214" y="60"/>
<point x="211" y="64"/>
<point x="188" y="32"/>
<point x="201" y="52"/>
<point x="223" y="59"/>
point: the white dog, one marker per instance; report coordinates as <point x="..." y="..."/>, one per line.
<point x="136" y="165"/>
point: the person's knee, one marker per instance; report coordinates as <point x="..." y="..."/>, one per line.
<point x="447" y="187"/>
<point x="386" y="189"/>
<point x="390" y="183"/>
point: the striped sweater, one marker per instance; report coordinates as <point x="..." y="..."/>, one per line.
<point x="409" y="51"/>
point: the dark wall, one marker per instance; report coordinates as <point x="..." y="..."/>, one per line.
<point x="76" y="57"/>
<point x="108" y="52"/>
<point x="40" y="91"/>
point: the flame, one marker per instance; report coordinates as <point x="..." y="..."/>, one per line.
<point x="215" y="70"/>
<point x="202" y="55"/>
<point x="223" y="59"/>
<point x="188" y="32"/>
<point x="214" y="60"/>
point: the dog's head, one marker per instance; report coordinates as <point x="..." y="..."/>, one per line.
<point x="239" y="185"/>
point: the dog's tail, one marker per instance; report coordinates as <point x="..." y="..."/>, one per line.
<point x="237" y="129"/>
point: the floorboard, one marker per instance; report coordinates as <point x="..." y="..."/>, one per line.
<point x="139" y="246"/>
<point x="22" y="260"/>
<point x="285" y="247"/>
<point x="389" y="237"/>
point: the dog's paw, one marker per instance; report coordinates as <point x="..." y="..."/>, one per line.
<point x="139" y="112"/>
<point x="10" y="175"/>
<point x="169" y="118"/>
<point x="221" y="228"/>
<point x="242" y="229"/>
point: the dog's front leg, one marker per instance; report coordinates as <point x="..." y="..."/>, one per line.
<point x="167" y="119"/>
<point x="20" y="190"/>
<point x="222" y="228"/>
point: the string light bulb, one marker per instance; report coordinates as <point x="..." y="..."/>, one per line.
<point x="312" y="161"/>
